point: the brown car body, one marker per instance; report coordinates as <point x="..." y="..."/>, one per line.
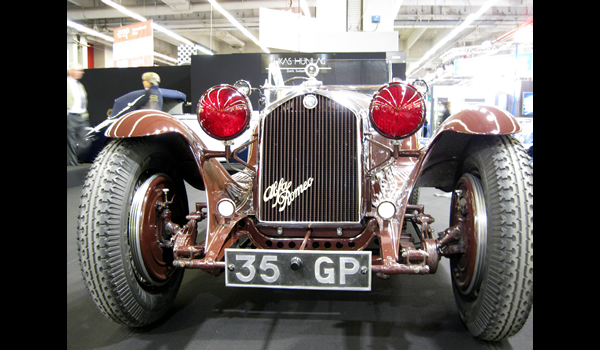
<point x="389" y="171"/>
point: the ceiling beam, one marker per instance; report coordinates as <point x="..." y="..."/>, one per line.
<point x="178" y="5"/>
<point x="414" y="37"/>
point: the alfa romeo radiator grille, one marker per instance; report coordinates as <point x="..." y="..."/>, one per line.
<point x="310" y="163"/>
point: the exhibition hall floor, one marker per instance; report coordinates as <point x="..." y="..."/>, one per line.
<point x="405" y="312"/>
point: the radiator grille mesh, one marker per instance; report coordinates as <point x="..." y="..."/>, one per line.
<point x="316" y="151"/>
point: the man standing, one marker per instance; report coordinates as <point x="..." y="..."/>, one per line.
<point x="77" y="115"/>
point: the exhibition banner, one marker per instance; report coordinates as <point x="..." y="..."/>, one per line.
<point x="134" y="45"/>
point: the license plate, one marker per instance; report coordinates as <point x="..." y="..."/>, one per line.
<point x="312" y="270"/>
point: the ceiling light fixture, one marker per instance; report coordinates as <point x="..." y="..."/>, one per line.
<point x="156" y="27"/>
<point x="237" y="24"/>
<point x="472" y="18"/>
<point x="165" y="58"/>
<point x="89" y="31"/>
<point x="125" y="11"/>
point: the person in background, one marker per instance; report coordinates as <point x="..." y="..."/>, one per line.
<point x="77" y="114"/>
<point x="153" y="98"/>
<point x="447" y="112"/>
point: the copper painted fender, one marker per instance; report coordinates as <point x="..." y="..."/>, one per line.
<point x="439" y="165"/>
<point x="145" y="123"/>
<point x="482" y="120"/>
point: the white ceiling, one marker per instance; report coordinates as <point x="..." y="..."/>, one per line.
<point x="421" y="24"/>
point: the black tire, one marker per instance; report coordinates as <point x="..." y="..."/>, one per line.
<point x="112" y="276"/>
<point x="496" y="299"/>
<point x="415" y="197"/>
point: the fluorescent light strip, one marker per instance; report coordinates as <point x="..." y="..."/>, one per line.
<point x="164" y="30"/>
<point x="157" y="27"/>
<point x="204" y="50"/>
<point x="472" y="18"/>
<point x="89" y="31"/>
<point x="237" y="24"/>
<point x="124" y="10"/>
<point x="165" y="57"/>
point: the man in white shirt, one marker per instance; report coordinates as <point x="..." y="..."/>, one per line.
<point x="77" y="115"/>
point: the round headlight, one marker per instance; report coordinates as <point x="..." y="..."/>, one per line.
<point x="386" y="210"/>
<point x="398" y="111"/>
<point x="226" y="208"/>
<point x="224" y="112"/>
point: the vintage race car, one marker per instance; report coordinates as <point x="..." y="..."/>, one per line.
<point x="323" y="202"/>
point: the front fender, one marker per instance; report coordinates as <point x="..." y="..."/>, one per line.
<point x="442" y="158"/>
<point x="144" y="123"/>
<point x="218" y="183"/>
<point x="481" y="120"/>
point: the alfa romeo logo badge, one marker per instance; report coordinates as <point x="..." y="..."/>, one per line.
<point x="283" y="193"/>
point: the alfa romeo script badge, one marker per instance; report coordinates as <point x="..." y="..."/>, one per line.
<point x="283" y="194"/>
<point x="310" y="101"/>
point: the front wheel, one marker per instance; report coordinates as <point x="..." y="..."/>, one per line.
<point x="493" y="277"/>
<point x="126" y="268"/>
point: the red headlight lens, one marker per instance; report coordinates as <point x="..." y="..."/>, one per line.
<point x="224" y="112"/>
<point x="398" y="111"/>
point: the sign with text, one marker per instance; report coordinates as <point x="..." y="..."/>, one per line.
<point x="134" y="45"/>
<point x="296" y="62"/>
